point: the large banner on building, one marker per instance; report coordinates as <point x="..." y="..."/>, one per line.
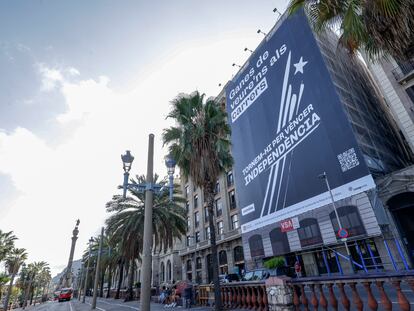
<point x="288" y="127"/>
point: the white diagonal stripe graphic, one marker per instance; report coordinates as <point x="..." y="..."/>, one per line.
<point x="267" y="189"/>
<point x="282" y="100"/>
<point x="280" y="183"/>
<point x="276" y="171"/>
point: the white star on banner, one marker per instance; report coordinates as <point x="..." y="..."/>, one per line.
<point x="299" y="66"/>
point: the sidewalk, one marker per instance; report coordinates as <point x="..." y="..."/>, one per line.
<point x="118" y="304"/>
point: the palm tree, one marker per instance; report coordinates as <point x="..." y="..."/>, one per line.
<point x="4" y="279"/>
<point x="42" y="280"/>
<point x="14" y="261"/>
<point x="6" y="243"/>
<point x="106" y="258"/>
<point x="33" y="269"/>
<point x="126" y="225"/>
<point x="200" y="144"/>
<point x="378" y="27"/>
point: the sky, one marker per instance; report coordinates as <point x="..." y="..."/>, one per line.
<point x="83" y="81"/>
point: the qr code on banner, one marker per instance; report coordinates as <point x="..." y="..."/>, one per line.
<point x="348" y="159"/>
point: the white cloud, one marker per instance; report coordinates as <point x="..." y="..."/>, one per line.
<point x="57" y="185"/>
<point x="51" y="78"/>
<point x="73" y="71"/>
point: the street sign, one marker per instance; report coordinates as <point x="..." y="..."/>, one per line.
<point x="343" y="233"/>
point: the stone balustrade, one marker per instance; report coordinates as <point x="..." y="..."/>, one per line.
<point x="331" y="292"/>
<point x="236" y="295"/>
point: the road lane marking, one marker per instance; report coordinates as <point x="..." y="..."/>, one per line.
<point x="118" y="304"/>
<point x="70" y="306"/>
<point x="96" y="307"/>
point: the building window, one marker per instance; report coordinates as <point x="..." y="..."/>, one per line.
<point x="232" y="199"/>
<point x="196" y="219"/>
<point x="189" y="270"/>
<point x="234" y="221"/>
<point x="168" y="271"/>
<point x="223" y="262"/>
<point x="256" y="246"/>
<point x="206" y="214"/>
<point x="238" y="254"/>
<point x="279" y="241"/>
<point x="196" y="201"/>
<point x="220" y="229"/>
<point x="222" y="258"/>
<point x="199" y="277"/>
<point x="188" y="240"/>
<point x="350" y="220"/>
<point x="309" y="233"/>
<point x="230" y="180"/>
<point x="217" y="188"/>
<point x="186" y="191"/>
<point x="410" y="92"/>
<point x="187" y="207"/>
<point x="219" y="208"/>
<point x="197" y="237"/>
<point x="209" y="266"/>
<point x="162" y="272"/>
<point x="198" y="263"/>
<point x="188" y="223"/>
<point x="207" y="233"/>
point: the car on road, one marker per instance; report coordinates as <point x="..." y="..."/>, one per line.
<point x="227" y="278"/>
<point x="264" y="273"/>
<point x="65" y="294"/>
<point x="256" y="275"/>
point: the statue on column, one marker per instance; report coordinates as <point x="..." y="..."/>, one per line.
<point x="69" y="275"/>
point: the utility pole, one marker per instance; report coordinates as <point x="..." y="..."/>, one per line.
<point x="147" y="252"/>
<point x="80" y="281"/>
<point x="95" y="286"/>
<point x="87" y="271"/>
<point x="325" y="177"/>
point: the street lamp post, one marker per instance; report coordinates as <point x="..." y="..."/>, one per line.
<point x="170" y="164"/>
<point x="148" y="188"/>
<point x="324" y="176"/>
<point x="87" y="270"/>
<point x="95" y="286"/>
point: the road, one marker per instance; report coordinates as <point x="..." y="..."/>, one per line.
<point x="102" y="305"/>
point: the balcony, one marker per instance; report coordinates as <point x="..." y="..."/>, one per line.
<point x="404" y="72"/>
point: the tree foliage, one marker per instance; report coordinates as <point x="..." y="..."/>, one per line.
<point x="380" y="27"/>
<point x="200" y="144"/>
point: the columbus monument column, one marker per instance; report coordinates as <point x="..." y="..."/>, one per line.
<point x="68" y="276"/>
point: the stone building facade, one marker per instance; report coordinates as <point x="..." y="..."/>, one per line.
<point x="195" y="250"/>
<point x="395" y="79"/>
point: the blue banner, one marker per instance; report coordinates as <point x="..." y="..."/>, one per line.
<point x="288" y="127"/>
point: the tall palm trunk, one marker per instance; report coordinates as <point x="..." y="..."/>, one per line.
<point x="210" y="205"/>
<point x="102" y="282"/>
<point x="26" y="294"/>
<point x="31" y="295"/>
<point x="108" y="294"/>
<point x="130" y="292"/>
<point x="9" y="291"/>
<point x="121" y="275"/>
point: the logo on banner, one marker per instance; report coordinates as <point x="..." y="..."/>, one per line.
<point x="289" y="224"/>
